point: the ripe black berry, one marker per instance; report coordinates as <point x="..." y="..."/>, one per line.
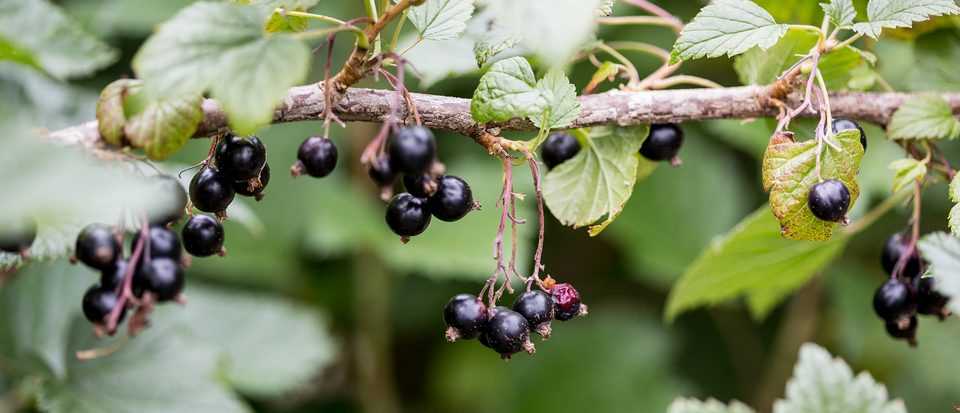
<point x="112" y="277"/>
<point x="177" y="207"/>
<point x="202" y="236"/>
<point x="98" y="302"/>
<point x="211" y="191"/>
<point x="841" y="124"/>
<point x="164" y="243"/>
<point x="251" y="187"/>
<point x="664" y="142"/>
<point x="508" y="332"/>
<point x="905" y="329"/>
<point x="894" y="299"/>
<point x="453" y="199"/>
<point x="893" y="250"/>
<point x="466" y="317"/>
<point x="929" y="301"/>
<point x="566" y="300"/>
<point x="241" y="159"/>
<point x="163" y="277"/>
<point x="317" y="157"/>
<point x="381" y="172"/>
<point x="408" y="215"/>
<point x="420" y="185"/>
<point x="17" y="237"/>
<point x="412" y="149"/>
<point x="559" y="148"/>
<point x="829" y="200"/>
<point x="97" y="247"/>
<point x="537" y="307"/>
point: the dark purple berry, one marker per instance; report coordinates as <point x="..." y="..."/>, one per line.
<point x="97" y="247"/>
<point x="453" y="199"/>
<point x="112" y="277"/>
<point x="566" y="300"/>
<point x="176" y="208"/>
<point x="537" y="307"/>
<point x="903" y="329"/>
<point x="317" y="157"/>
<point x="203" y="236"/>
<point x="241" y="159"/>
<point x="929" y="300"/>
<point x="251" y="187"/>
<point x="829" y="200"/>
<point x="408" y="215"/>
<point x="466" y="317"/>
<point x="663" y="143"/>
<point x="894" y="299"/>
<point x="163" y="277"/>
<point x="842" y="124"/>
<point x="893" y="250"/>
<point x="164" y="243"/>
<point x="412" y="149"/>
<point x="508" y="332"/>
<point x="98" y="302"/>
<point x="211" y="191"/>
<point x="17" y="237"/>
<point x="420" y="185"/>
<point x="381" y="172"/>
<point x="559" y="148"/>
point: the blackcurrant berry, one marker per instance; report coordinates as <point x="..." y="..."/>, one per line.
<point x="241" y="159"/>
<point x="893" y="250"/>
<point x="202" y="236"/>
<point x="664" y="142"/>
<point x="829" y="200"/>
<point x="894" y="299"/>
<point x="97" y="247"/>
<point x="112" y="277"/>
<point x="466" y="317"/>
<point x="408" y="215"/>
<point x="453" y="199"/>
<point x="163" y="277"/>
<point x="98" y="302"/>
<point x="412" y="149"/>
<point x="251" y="187"/>
<point x="537" y="307"/>
<point x="317" y="157"/>
<point x="381" y="172"/>
<point x="841" y="124"/>
<point x="420" y="185"/>
<point x="164" y="243"/>
<point x="559" y="148"/>
<point x="177" y="207"/>
<point x="17" y="237"/>
<point x="905" y="329"/>
<point x="566" y="300"/>
<point x="929" y="300"/>
<point x="211" y="191"/>
<point x="508" y="332"/>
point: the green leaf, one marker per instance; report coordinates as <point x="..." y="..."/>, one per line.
<point x="599" y="180"/>
<point x="486" y="49"/>
<point x="110" y="114"/>
<point x="710" y="406"/>
<point x="954" y="189"/>
<point x="509" y="90"/>
<point x="762" y="67"/>
<point x="554" y="30"/>
<point x="823" y="384"/>
<point x="279" y="22"/>
<point x="890" y="14"/>
<point x="907" y="172"/>
<point x="789" y="171"/>
<point x="441" y="19"/>
<point x="942" y="251"/>
<point x="165" y="125"/>
<point x="752" y="260"/>
<point x="924" y="117"/>
<point x="561" y="97"/>
<point x="727" y="27"/>
<point x="841" y="12"/>
<point x="436" y="60"/>
<point x="38" y="33"/>
<point x="222" y="48"/>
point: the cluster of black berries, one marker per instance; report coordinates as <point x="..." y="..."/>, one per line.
<point x="412" y="151"/>
<point x="663" y="144"/>
<point x="17" y="237"/>
<point x="508" y="331"/>
<point x="239" y="167"/>
<point x="907" y="292"/>
<point x="829" y="200"/>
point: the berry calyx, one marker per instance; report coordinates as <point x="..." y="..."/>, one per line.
<point x="420" y="185"/>
<point x="663" y="143"/>
<point x="163" y="277"/>
<point x="559" y="148"/>
<point x="537" y="307"/>
<point x="17" y="237"/>
<point x="412" y="149"/>
<point x="407" y="215"/>
<point x="254" y="186"/>
<point x="316" y="157"/>
<point x="177" y="206"/>
<point x="905" y="329"/>
<point x="829" y="200"/>
<point x="112" y="277"/>
<point x="164" y="243"/>
<point x="239" y="158"/>
<point x="894" y="249"/>
<point x="929" y="300"/>
<point x="508" y="333"/>
<point x="98" y="302"/>
<point x="97" y="247"/>
<point x="567" y="302"/>
<point x="452" y="200"/>
<point x="893" y="300"/>
<point x="211" y="190"/>
<point x="466" y="317"/>
<point x="842" y="124"/>
<point x="381" y="172"/>
<point x="203" y="236"/>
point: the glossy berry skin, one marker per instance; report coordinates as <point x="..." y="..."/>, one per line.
<point x="842" y="124"/>
<point x="112" y="277"/>
<point x="664" y="142"/>
<point x="829" y="200"/>
<point x="566" y="300"/>
<point x="407" y="215"/>
<point x="559" y="148"/>
<point x="898" y="331"/>
<point x="453" y="199"/>
<point x="467" y="314"/>
<point x="176" y="208"/>
<point x="202" y="236"/>
<point x="17" y="237"/>
<point x="507" y="331"/>
<point x="536" y="306"/>
<point x="164" y="243"/>
<point x="239" y="158"/>
<point x="929" y="301"/>
<point x="894" y="299"/>
<point x="98" y="302"/>
<point x="318" y="156"/>
<point x="163" y="277"/>
<point x="211" y="191"/>
<point x="97" y="247"/>
<point x="412" y="149"/>
<point x="417" y="185"/>
<point x="248" y="187"/>
<point x="893" y="250"/>
<point x="381" y="172"/>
